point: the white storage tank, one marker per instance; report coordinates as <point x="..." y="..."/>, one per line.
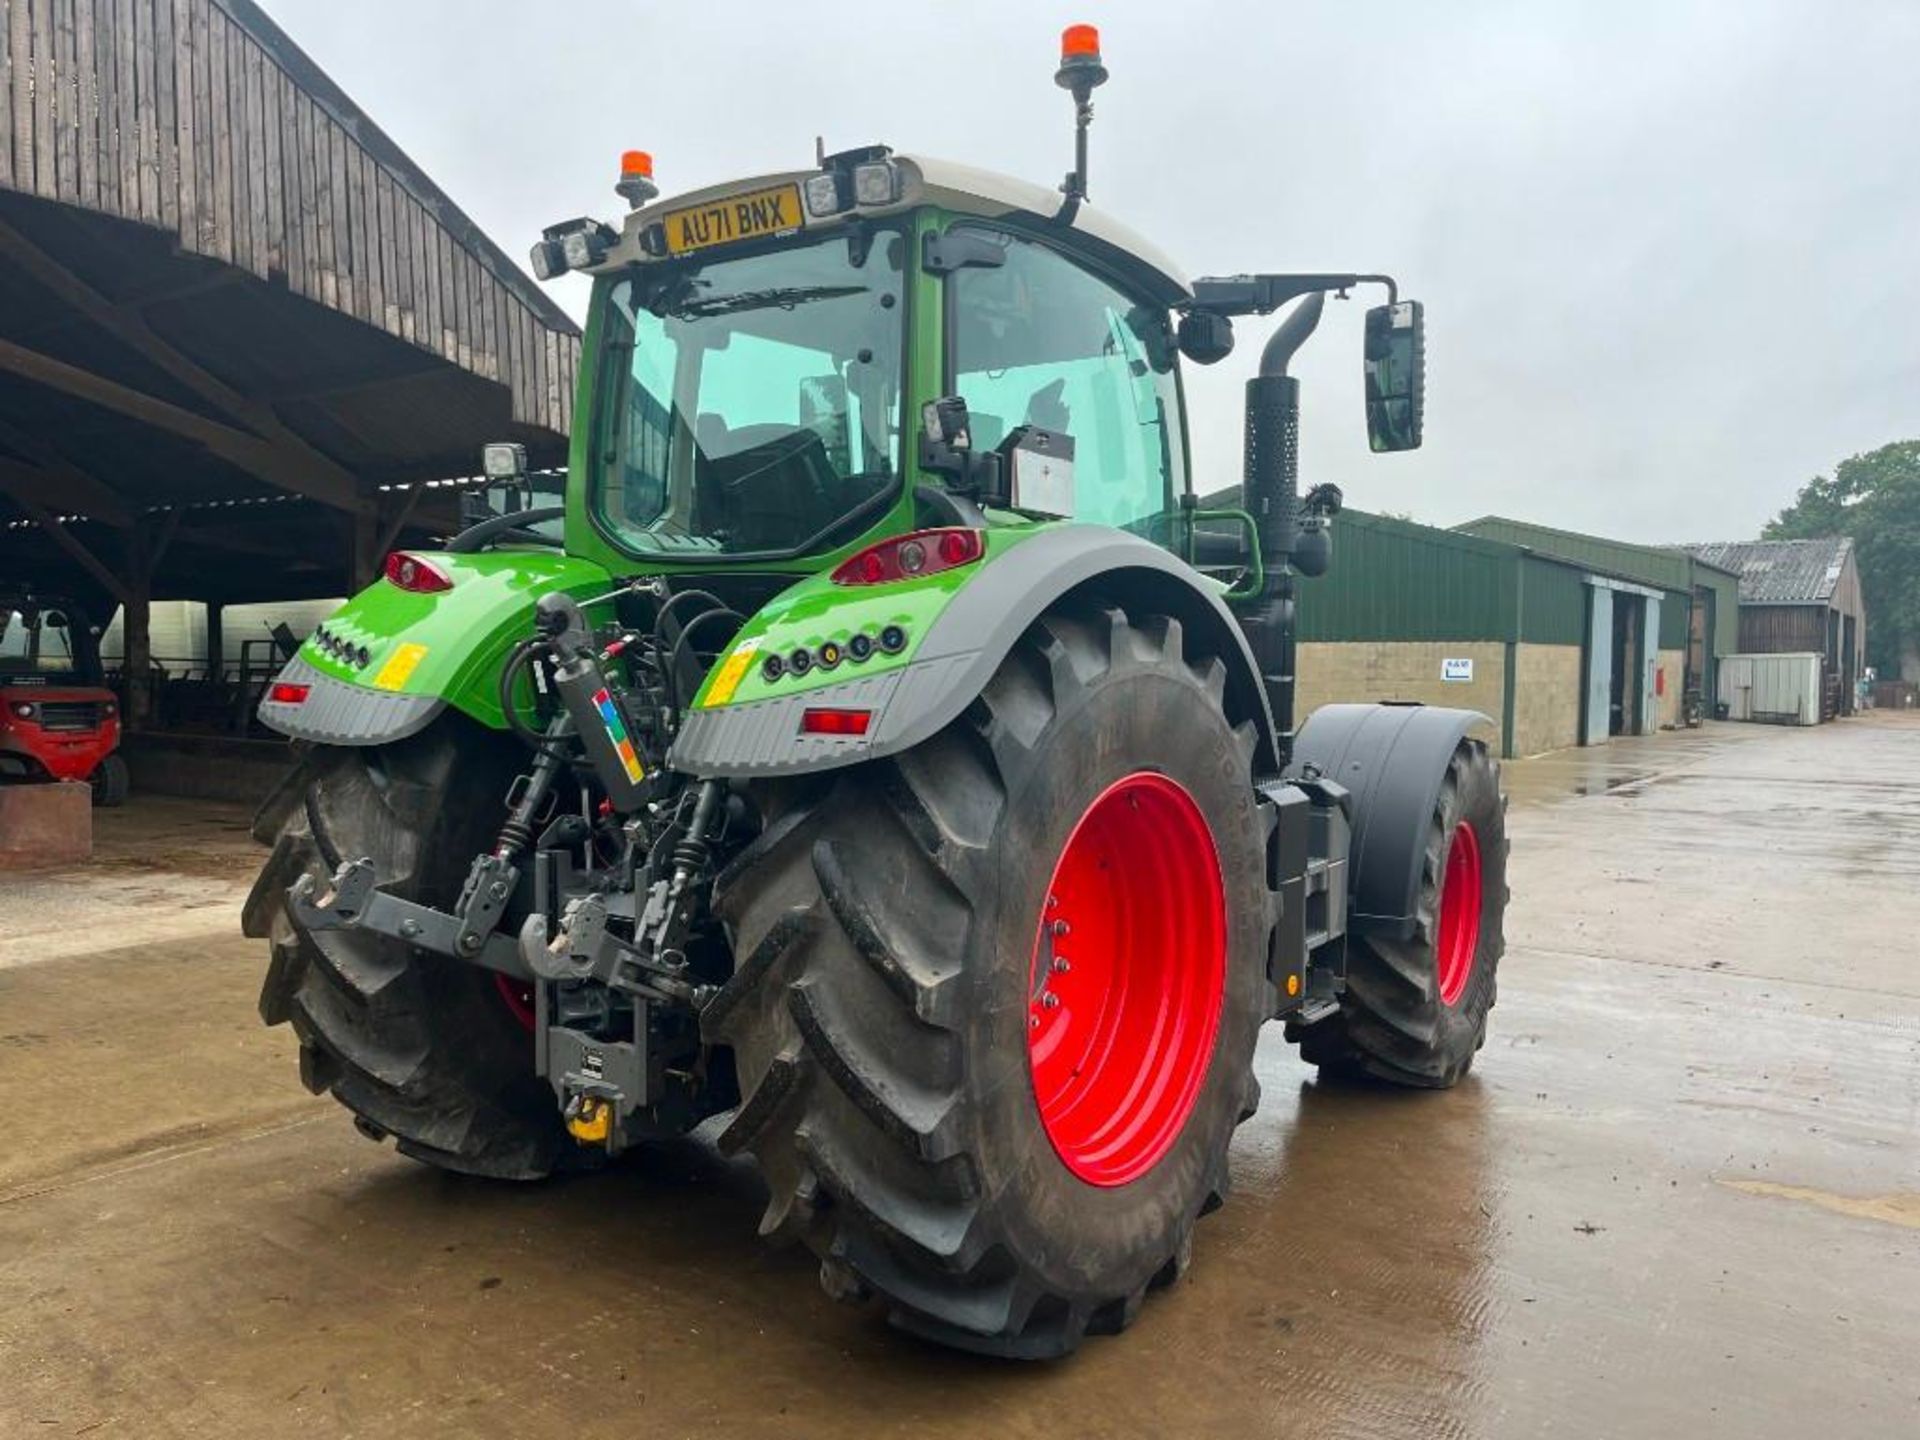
<point x="1772" y="689"/>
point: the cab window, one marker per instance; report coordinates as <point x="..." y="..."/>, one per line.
<point x="750" y="403"/>
<point x="1041" y="341"/>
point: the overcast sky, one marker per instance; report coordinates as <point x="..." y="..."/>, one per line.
<point x="1670" y="252"/>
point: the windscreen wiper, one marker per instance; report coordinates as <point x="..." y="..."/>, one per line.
<point x="699" y="307"/>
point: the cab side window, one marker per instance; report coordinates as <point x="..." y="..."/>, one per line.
<point x="1041" y="341"/>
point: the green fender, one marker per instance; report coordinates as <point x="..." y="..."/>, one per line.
<point x="423" y="652"/>
<point x="959" y="627"/>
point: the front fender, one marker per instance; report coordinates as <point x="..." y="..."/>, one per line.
<point x="956" y="651"/>
<point x="1392" y="760"/>
<point x="423" y="653"/>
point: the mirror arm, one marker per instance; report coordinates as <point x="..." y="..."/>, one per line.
<point x="1231" y="295"/>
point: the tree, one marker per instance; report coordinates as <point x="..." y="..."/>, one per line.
<point x="1875" y="498"/>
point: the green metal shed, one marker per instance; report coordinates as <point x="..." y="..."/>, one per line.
<point x="1711" y="592"/>
<point x="1412" y="612"/>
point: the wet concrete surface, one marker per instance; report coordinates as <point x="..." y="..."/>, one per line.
<point x="1680" y="1195"/>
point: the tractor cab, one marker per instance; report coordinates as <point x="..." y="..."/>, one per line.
<point x="787" y="368"/>
<point x="58" y="719"/>
<point x="793" y="365"/>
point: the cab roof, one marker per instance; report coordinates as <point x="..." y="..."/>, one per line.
<point x="967" y="190"/>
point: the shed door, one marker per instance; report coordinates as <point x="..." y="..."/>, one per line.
<point x="1599" y="664"/>
<point x="1649" y="665"/>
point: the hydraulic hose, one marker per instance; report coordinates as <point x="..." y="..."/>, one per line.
<point x="517" y="661"/>
<point x="668" y="605"/>
<point x="478" y="537"/>
<point x="672" y="668"/>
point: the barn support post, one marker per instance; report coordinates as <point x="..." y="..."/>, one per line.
<point x="146" y="546"/>
<point x="216" y="644"/>
<point x="136" y="633"/>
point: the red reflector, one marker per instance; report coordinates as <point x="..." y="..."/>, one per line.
<point x="908" y="557"/>
<point x="416" y="573"/>
<point x="835" y="722"/>
<point x="285" y="694"/>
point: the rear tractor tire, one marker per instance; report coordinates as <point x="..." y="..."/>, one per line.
<point x="996" y="998"/>
<point x="436" y="1054"/>
<point x="1415" y="1010"/>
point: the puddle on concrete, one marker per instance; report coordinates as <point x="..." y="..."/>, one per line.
<point x="1898" y="1208"/>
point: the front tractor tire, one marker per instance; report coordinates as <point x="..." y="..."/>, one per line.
<point x="996" y="998"/>
<point x="434" y="1053"/>
<point x="1415" y="1008"/>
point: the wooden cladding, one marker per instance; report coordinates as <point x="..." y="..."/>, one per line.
<point x="1784" y="629"/>
<point x="173" y="113"/>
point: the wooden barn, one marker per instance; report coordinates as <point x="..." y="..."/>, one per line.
<point x="240" y="331"/>
<point x="1801" y="597"/>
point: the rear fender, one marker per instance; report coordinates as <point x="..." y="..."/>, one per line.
<point x="1391" y="759"/>
<point x="423" y="653"/>
<point x="961" y="647"/>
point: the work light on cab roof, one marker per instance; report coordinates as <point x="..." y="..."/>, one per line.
<point x="582" y="243"/>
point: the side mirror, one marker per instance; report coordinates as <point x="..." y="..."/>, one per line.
<point x="1396" y="371"/>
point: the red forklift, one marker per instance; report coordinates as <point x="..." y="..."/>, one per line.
<point x="58" y="719"/>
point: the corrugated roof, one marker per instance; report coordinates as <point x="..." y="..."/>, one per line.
<point x="1781" y="572"/>
<point x="1662" y="565"/>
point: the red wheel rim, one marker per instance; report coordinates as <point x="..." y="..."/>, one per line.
<point x="1129" y="966"/>
<point x="519" y="997"/>
<point x="1459" y="913"/>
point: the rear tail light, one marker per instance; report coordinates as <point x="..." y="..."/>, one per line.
<point x="416" y="573"/>
<point x="835" y="722"/>
<point x="284" y="694"/>
<point x="906" y="557"/>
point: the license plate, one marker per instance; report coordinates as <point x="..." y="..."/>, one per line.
<point x="751" y="216"/>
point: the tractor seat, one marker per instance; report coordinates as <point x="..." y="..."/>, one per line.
<point x="765" y="487"/>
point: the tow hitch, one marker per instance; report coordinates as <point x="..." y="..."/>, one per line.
<point x="616" y="1001"/>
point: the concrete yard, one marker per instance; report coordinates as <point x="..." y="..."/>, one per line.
<point x="1680" y="1196"/>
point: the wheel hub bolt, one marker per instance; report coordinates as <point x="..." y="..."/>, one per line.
<point x="1050" y="1000"/>
<point x="1061" y="965"/>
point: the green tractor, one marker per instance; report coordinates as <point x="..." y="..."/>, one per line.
<point x="891" y="754"/>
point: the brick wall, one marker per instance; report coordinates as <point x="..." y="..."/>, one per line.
<point x="1547" y="698"/>
<point x="1332" y="672"/>
<point x="1548" y="685"/>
